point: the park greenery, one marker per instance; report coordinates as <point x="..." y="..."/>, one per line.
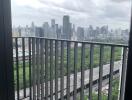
<point x="115" y="92"/>
<point x="96" y="58"/>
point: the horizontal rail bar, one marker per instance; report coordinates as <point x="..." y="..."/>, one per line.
<point x="87" y="42"/>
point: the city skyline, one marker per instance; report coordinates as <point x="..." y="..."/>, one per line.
<point x="70" y="31"/>
<point x="53" y="21"/>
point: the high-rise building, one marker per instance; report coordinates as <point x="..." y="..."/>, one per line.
<point x="52" y="22"/>
<point x="74" y="37"/>
<point x="60" y="31"/>
<point x="16" y="31"/>
<point x="90" y="31"/>
<point x="104" y="30"/>
<point x="39" y="32"/>
<point x="58" y="34"/>
<point x="26" y="31"/>
<point x="53" y="29"/>
<point x="66" y="28"/>
<point x="32" y="29"/>
<point x="97" y="30"/>
<point x="19" y="31"/>
<point x="80" y="33"/>
<point x="46" y="30"/>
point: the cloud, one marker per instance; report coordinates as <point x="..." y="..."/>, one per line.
<point x="82" y="12"/>
<point x="120" y="0"/>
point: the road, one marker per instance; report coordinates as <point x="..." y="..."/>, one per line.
<point x="106" y="69"/>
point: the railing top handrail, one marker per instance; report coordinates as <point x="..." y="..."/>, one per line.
<point x="87" y="42"/>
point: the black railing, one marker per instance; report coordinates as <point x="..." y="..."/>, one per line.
<point x="62" y="69"/>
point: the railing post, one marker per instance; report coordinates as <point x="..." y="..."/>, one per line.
<point x="128" y="87"/>
<point x="6" y="54"/>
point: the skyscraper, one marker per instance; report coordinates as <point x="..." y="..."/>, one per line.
<point x="57" y="31"/>
<point x="46" y="29"/>
<point x="32" y="31"/>
<point x="80" y="33"/>
<point x="39" y="32"/>
<point x="104" y="30"/>
<point x="91" y="34"/>
<point x="74" y="37"/>
<point x="53" y="29"/>
<point x="19" y="31"/>
<point x="52" y="22"/>
<point x="66" y="28"/>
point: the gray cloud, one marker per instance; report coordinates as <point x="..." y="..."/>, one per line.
<point x="121" y="0"/>
<point x="82" y="12"/>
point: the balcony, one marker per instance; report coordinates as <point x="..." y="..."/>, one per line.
<point x="52" y="69"/>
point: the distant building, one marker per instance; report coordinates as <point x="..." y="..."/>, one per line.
<point x="104" y="30"/>
<point x="74" y="36"/>
<point x="53" y="29"/>
<point x="59" y="32"/>
<point x="53" y="23"/>
<point x="97" y="31"/>
<point x="80" y="34"/>
<point x="32" y="29"/>
<point x="16" y="32"/>
<point x="66" y="28"/>
<point x="46" y="30"/>
<point x="23" y="31"/>
<point x="90" y="31"/>
<point x="39" y="32"/>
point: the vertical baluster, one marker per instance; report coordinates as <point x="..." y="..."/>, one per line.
<point x="34" y="68"/>
<point x="82" y="70"/>
<point x="111" y="73"/>
<point x="123" y="77"/>
<point x="62" y="70"/>
<point x="75" y="70"/>
<point x="30" y="77"/>
<point x="42" y="67"/>
<point x="91" y="71"/>
<point x="68" y="69"/>
<point x="56" y="70"/>
<point x="17" y="68"/>
<point x="38" y="68"/>
<point x="100" y="72"/>
<point x="51" y="69"/>
<point x="24" y="67"/>
<point x="46" y="69"/>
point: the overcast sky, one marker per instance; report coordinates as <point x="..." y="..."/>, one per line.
<point x="115" y="13"/>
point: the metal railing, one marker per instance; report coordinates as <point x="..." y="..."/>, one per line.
<point x="61" y="69"/>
